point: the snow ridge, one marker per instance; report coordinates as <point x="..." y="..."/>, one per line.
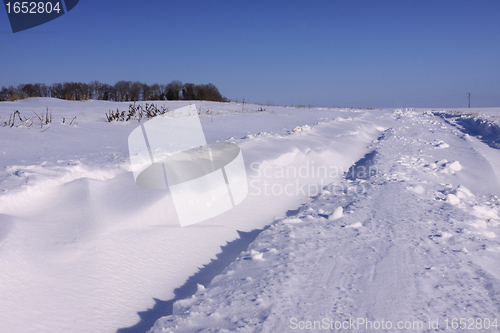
<point x="473" y="124"/>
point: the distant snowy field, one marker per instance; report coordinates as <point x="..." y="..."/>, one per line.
<point x="392" y="215"/>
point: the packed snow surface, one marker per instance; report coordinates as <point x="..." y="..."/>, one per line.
<point x="371" y="217"/>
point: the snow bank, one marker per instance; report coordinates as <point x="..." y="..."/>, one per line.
<point x="81" y="241"/>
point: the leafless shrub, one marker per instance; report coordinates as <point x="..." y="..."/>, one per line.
<point x="136" y="112"/>
<point x="17" y="120"/>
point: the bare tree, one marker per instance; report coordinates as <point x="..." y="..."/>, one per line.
<point x="174" y="90"/>
<point x="188" y="92"/>
<point x="120" y="91"/>
<point x="208" y="92"/>
<point x="135" y="91"/>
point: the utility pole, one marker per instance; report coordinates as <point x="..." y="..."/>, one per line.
<point x="469" y="99"/>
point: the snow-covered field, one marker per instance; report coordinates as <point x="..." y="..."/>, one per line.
<point x="371" y="217"/>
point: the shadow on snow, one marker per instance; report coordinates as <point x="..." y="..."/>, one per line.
<point x="164" y="308"/>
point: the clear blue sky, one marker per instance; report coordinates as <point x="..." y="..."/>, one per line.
<point x="324" y="53"/>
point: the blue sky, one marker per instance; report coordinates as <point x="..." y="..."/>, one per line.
<point x="321" y="53"/>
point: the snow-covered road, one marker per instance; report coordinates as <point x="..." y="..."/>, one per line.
<point x="415" y="249"/>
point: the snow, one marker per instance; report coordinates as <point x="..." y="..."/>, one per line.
<point x="367" y="214"/>
<point x="397" y="256"/>
<point x="82" y="242"/>
<point x="354" y="225"/>
<point x="452" y="199"/>
<point x="337" y="213"/>
<point x="455" y="166"/>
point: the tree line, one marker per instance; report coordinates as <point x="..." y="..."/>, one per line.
<point x="119" y="92"/>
